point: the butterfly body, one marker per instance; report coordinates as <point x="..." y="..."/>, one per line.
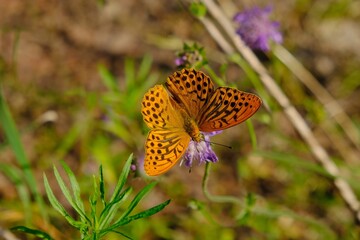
<point x="191" y="128"/>
<point x="192" y="107"/>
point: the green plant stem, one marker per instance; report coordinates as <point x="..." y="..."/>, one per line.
<point x="213" y="198"/>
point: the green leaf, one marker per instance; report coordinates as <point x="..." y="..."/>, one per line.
<point x="74" y="185"/>
<point x="37" y="233"/>
<point x="108" y="79"/>
<point x="102" y="186"/>
<point x="143" y="214"/>
<point x="129" y="73"/>
<point x="58" y="207"/>
<point x="12" y="135"/>
<point x="122" y="234"/>
<point x="145" y="67"/>
<point x="122" y="179"/>
<point x="16" y="176"/>
<point x="93" y="202"/>
<point x="111" y="210"/>
<point x="67" y="195"/>
<point x="137" y="199"/>
<point x="252" y="133"/>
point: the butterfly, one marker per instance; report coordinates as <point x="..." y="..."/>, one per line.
<point x="189" y="106"/>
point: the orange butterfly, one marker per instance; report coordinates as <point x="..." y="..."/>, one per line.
<point x="182" y="121"/>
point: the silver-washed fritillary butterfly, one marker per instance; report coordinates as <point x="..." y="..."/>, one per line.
<point x="193" y="106"/>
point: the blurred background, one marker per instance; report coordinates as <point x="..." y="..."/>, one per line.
<point x="59" y="58"/>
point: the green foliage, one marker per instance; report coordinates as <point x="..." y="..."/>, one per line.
<point x="24" y="176"/>
<point x="37" y="233"/>
<point x="91" y="223"/>
<point x="198" y="9"/>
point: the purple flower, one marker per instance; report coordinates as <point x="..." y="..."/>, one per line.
<point x="256" y="29"/>
<point x="181" y="60"/>
<point x="200" y="151"/>
<point x="133" y="167"/>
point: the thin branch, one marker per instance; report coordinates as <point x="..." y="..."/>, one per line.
<point x="293" y="115"/>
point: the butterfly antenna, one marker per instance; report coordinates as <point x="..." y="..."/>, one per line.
<point x="219" y="144"/>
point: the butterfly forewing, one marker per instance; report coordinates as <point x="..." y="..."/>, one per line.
<point x="227" y="107"/>
<point x="191" y="89"/>
<point x="157" y="110"/>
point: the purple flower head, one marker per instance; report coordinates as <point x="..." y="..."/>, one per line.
<point x="181" y="60"/>
<point x="256" y="29"/>
<point x="200" y="151"/>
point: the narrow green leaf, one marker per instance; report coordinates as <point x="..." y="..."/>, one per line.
<point x="122" y="179"/>
<point x="12" y="135"/>
<point x="102" y="186"/>
<point x="108" y="79"/>
<point x="137" y="199"/>
<point x="69" y="140"/>
<point x="111" y="210"/>
<point x="35" y="232"/>
<point x="68" y="196"/>
<point x="57" y="206"/>
<point x="93" y="202"/>
<point x="15" y="176"/>
<point x="252" y="133"/>
<point x="129" y="73"/>
<point x="74" y="185"/>
<point x="145" y="67"/>
<point x="122" y="234"/>
<point x="143" y="214"/>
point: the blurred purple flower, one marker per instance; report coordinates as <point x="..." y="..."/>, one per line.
<point x="200" y="151"/>
<point x="133" y="167"/>
<point x="256" y="29"/>
<point x="180" y="60"/>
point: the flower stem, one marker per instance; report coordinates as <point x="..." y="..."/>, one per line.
<point x="216" y="198"/>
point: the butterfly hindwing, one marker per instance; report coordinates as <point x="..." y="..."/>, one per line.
<point x="227" y="107"/>
<point x="163" y="149"/>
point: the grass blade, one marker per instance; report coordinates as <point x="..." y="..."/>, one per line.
<point x="12" y="135"/>
<point x="15" y="176"/>
<point x="108" y="79"/>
